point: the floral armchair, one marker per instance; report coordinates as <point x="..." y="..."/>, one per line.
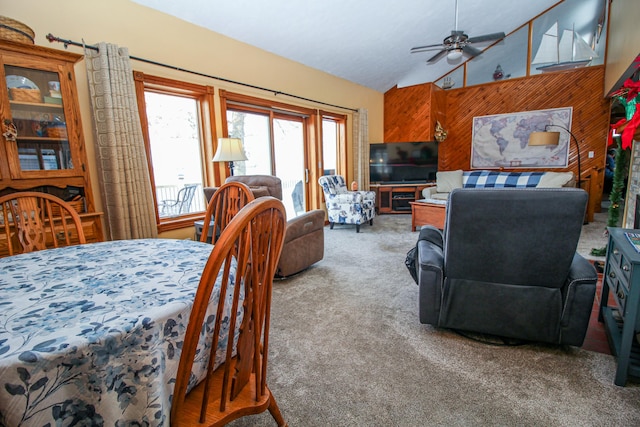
<point x="347" y="207"/>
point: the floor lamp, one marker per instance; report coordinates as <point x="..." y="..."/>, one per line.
<point x="553" y="138"/>
<point x="229" y="150"/>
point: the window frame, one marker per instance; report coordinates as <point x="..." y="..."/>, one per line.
<point x="204" y="97"/>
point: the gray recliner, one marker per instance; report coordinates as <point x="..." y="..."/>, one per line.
<point x="506" y="265"/>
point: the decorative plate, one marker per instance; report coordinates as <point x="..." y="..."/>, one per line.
<point x="20" y="82"/>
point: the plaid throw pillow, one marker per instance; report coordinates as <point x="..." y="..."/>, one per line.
<point x="490" y="179"/>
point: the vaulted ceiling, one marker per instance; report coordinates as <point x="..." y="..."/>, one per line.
<point x="364" y="41"/>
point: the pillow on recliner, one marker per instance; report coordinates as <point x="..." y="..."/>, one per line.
<point x="448" y="181"/>
<point x="260" y="191"/>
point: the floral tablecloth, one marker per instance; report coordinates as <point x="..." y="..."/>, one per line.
<point x="91" y="334"/>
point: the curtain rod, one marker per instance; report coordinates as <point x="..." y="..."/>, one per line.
<point x="66" y="43"/>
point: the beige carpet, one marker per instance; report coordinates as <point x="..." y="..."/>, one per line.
<point x="594" y="235"/>
<point x="347" y="349"/>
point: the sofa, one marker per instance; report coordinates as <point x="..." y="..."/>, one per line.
<point x="304" y="234"/>
<point x="447" y="181"/>
<point x="506" y="265"/>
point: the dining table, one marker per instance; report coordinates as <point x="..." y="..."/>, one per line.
<point x="91" y="334"/>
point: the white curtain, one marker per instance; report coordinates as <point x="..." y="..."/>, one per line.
<point x="361" y="148"/>
<point x="120" y="152"/>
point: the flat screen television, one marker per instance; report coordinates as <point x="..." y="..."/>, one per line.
<point x="403" y="162"/>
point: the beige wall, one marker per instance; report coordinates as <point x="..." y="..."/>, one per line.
<point x="623" y="43"/>
<point x="153" y="35"/>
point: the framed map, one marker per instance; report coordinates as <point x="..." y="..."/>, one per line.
<point x="502" y="140"/>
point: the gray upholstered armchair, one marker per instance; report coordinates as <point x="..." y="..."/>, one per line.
<point x="507" y="265"/>
<point x="304" y="235"/>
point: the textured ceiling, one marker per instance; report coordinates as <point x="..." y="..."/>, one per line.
<point x="363" y="41"/>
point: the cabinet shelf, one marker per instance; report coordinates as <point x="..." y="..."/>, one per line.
<point x="43" y="106"/>
<point x="42" y="139"/>
<point x="615" y="324"/>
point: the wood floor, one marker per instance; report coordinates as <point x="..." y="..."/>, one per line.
<point x="596" y="339"/>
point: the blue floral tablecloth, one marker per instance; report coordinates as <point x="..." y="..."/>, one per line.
<point x="91" y="334"/>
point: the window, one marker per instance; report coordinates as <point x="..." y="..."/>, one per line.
<point x="279" y="139"/>
<point x="254" y="130"/>
<point x="333" y="144"/>
<point x="329" y="147"/>
<point x="571" y="34"/>
<point x="177" y="128"/>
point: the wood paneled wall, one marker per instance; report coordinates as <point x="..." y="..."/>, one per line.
<point x="409" y="110"/>
<point x="410" y="113"/>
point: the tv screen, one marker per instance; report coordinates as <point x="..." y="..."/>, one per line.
<point x="403" y="162"/>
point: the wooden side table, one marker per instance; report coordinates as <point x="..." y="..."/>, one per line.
<point x="199" y="225"/>
<point x="425" y="213"/>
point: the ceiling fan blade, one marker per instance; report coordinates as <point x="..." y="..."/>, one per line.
<point x="437" y="56"/>
<point x="470" y="50"/>
<point x="486" y="38"/>
<point x="427" y="47"/>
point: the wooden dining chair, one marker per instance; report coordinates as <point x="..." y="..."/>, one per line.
<point x="225" y="203"/>
<point x="32" y="221"/>
<point x="252" y="241"/>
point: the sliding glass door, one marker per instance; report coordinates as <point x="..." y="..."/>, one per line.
<point x="274" y="143"/>
<point x="294" y="143"/>
<point x="254" y="130"/>
<point x="290" y="166"/>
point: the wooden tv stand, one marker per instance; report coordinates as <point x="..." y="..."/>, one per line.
<point x="396" y="198"/>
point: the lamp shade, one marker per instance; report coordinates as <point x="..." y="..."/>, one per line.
<point x="229" y="150"/>
<point x="544" y="138"/>
<point x="454" y="54"/>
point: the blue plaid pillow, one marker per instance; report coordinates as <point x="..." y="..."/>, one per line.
<point x="490" y="179"/>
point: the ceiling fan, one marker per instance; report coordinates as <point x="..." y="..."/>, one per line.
<point x="457" y="43"/>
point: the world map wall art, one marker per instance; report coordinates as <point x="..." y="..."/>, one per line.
<point x="502" y="140"/>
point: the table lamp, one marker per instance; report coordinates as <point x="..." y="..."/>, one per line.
<point x="229" y="150"/>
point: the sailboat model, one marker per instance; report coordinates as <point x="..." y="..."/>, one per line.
<point x="567" y="52"/>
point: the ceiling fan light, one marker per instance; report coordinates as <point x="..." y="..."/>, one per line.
<point x="454" y="54"/>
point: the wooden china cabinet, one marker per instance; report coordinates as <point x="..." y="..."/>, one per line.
<point x="42" y="144"/>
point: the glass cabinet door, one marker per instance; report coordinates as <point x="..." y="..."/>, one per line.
<point x="37" y="137"/>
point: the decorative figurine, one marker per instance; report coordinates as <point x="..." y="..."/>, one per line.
<point x="440" y="134"/>
<point x="498" y="74"/>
